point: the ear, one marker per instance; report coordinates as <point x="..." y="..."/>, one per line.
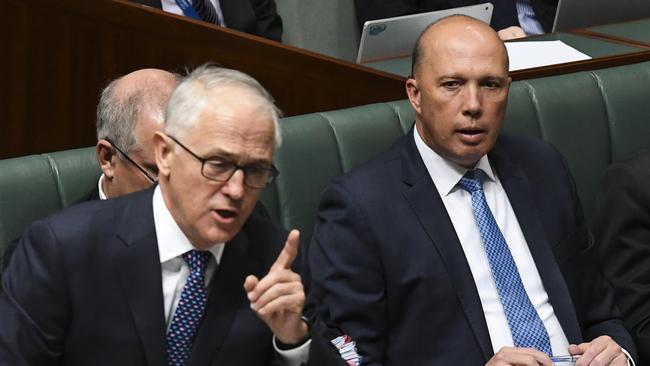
<point x="162" y="149"/>
<point x="413" y="93"/>
<point x="106" y="158"/>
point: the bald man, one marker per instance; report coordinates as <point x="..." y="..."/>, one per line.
<point x="131" y="110"/>
<point x="459" y="246"/>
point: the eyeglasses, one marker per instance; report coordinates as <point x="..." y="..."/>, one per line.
<point x="140" y="168"/>
<point x="221" y="170"/>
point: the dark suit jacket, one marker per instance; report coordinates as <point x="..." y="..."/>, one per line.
<point x="505" y="12"/>
<point x="258" y="17"/>
<point x="622" y="230"/>
<point x="389" y="270"/>
<point x="84" y="288"/>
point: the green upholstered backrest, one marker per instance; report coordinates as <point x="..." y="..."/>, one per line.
<point x="32" y="187"/>
<point x="592" y="118"/>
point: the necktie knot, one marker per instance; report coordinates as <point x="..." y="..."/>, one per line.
<point x="472" y="181"/>
<point x="197" y="260"/>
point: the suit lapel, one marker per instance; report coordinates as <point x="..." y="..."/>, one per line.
<point x="226" y="296"/>
<point x="138" y="266"/>
<point x="438" y="227"/>
<point x="517" y="187"/>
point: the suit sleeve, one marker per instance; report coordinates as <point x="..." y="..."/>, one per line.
<point x="9" y="251"/>
<point x="33" y="302"/>
<point x="347" y="282"/>
<point x="269" y="23"/>
<point x="592" y="294"/>
<point x="622" y="230"/>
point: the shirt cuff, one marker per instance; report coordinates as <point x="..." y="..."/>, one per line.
<point x="295" y="356"/>
<point x="630" y="361"/>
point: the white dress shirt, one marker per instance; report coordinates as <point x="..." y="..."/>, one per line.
<point x="458" y="202"/>
<point x="102" y="195"/>
<point x="172" y="243"/>
<point x="170" y="6"/>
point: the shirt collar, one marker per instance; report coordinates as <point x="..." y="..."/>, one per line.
<point x="172" y="242"/>
<point x="444" y="173"/>
<point x="102" y="195"/>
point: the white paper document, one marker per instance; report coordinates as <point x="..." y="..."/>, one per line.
<point x="524" y="55"/>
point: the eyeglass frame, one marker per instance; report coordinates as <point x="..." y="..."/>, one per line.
<point x="273" y="171"/>
<point x="128" y="158"/>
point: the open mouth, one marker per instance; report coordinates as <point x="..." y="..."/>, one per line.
<point x="226" y="214"/>
<point x="471" y="135"/>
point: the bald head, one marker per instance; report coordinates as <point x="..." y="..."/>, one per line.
<point x="152" y="86"/>
<point x="131" y="110"/>
<point x="459" y="31"/>
<point x="125" y="100"/>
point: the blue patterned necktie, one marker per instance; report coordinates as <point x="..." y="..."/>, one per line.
<point x="525" y="325"/>
<point x="189" y="311"/>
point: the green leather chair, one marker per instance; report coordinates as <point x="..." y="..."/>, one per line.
<point x="32" y="187"/>
<point x="592" y="117"/>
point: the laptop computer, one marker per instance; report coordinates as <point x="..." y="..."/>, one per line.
<point x="395" y="37"/>
<point x="572" y="14"/>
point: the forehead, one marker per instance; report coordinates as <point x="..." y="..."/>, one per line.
<point x="463" y="49"/>
<point x="234" y="121"/>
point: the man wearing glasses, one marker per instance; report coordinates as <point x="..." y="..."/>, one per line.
<point x="179" y="274"/>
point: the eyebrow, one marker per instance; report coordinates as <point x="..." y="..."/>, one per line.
<point x="224" y="155"/>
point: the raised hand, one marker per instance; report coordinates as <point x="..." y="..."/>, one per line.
<point x="278" y="298"/>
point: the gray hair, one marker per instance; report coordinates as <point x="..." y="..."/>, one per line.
<point x="190" y="97"/>
<point x="116" y="117"/>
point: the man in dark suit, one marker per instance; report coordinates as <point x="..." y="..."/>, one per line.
<point x="622" y="230"/>
<point x="537" y="15"/>
<point x="130" y="111"/>
<point x="459" y="246"/>
<point x="258" y="17"/>
<point x="179" y="274"/>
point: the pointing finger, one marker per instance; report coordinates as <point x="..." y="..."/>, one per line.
<point x="288" y="253"/>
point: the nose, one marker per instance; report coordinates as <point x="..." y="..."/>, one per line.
<point x="472" y="102"/>
<point x="234" y="187"/>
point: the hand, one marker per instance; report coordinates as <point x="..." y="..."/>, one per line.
<point x="511" y="356"/>
<point x="601" y="351"/>
<point x="279" y="297"/>
<point x="511" y="33"/>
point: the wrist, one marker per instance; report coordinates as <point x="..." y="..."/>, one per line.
<point x="297" y="338"/>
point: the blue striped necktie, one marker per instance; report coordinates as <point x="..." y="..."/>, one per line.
<point x="189" y="311"/>
<point x="525" y="325"/>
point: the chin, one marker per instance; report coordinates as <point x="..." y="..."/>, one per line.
<point x="222" y="235"/>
